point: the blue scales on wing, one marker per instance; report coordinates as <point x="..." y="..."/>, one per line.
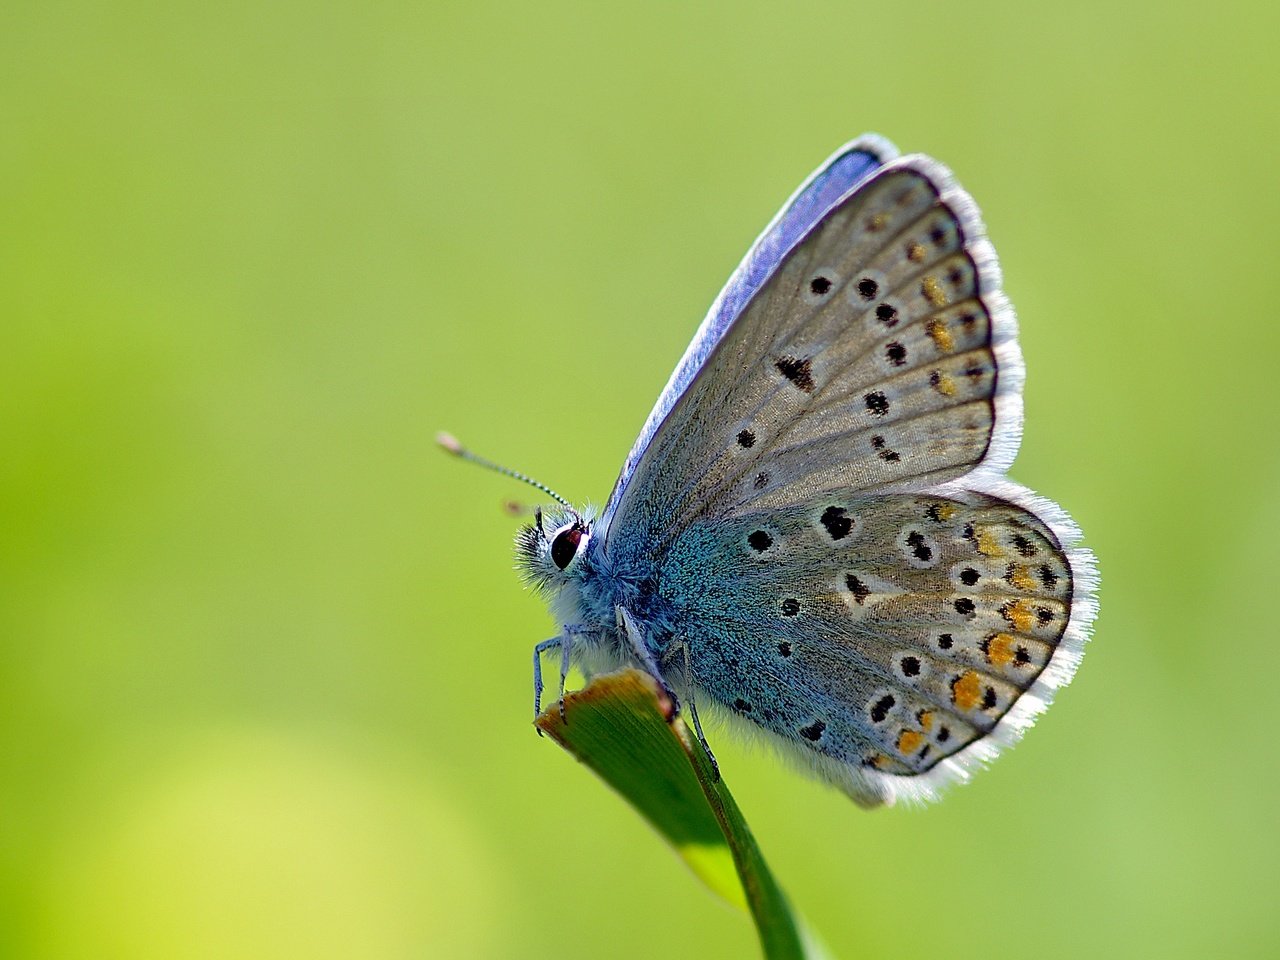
<point x="877" y="637"/>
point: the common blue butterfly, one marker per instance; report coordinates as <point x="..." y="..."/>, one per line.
<point x="814" y="531"/>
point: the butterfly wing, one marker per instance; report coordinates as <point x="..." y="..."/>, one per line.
<point x="889" y="642"/>
<point x="843" y="170"/>
<point x="880" y="351"/>
<point x="875" y="365"/>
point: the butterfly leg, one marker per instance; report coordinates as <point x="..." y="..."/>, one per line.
<point x="564" y="643"/>
<point x="538" y="651"/>
<point x="693" y="709"/>
<point x="631" y="631"/>
<point x="565" y="646"/>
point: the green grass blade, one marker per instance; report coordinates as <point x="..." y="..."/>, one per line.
<point x="616" y="726"/>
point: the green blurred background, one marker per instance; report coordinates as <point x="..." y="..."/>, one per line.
<point x="265" y="682"/>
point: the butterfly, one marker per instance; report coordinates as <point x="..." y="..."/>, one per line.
<point x="814" y="533"/>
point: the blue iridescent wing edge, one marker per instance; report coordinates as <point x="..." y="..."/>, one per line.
<point x="835" y="177"/>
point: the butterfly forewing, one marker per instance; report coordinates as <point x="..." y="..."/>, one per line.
<point x="868" y="359"/>
<point x="841" y="172"/>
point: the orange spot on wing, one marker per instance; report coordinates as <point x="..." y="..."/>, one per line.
<point x="987" y="545"/>
<point x="966" y="690"/>
<point x="1021" y="578"/>
<point x="943" y="383"/>
<point x="909" y="741"/>
<point x="933" y="291"/>
<point x="1018" y="613"/>
<point x="1000" y="649"/>
<point x="915" y="252"/>
<point x="940" y="335"/>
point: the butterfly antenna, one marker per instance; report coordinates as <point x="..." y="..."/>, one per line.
<point x="451" y="444"/>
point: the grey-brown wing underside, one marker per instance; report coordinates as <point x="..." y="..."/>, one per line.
<point x="880" y="353"/>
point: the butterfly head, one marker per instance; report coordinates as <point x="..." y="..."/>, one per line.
<point x="549" y="551"/>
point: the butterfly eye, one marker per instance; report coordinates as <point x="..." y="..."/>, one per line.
<point x="564" y="546"/>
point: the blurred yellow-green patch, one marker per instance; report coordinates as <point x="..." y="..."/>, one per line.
<point x="264" y="665"/>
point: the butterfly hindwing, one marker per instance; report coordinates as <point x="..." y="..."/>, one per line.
<point x="879" y="637"/>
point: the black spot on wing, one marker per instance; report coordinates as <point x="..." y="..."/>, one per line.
<point x="836" y="522"/>
<point x="880" y="709"/>
<point x="813" y="731"/>
<point x="919" y="549"/>
<point x="799" y="372"/>
<point x="882" y="450"/>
